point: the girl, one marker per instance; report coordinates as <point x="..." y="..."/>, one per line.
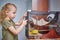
<point x="8" y="13"/>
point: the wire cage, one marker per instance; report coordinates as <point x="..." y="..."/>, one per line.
<point x="42" y="23"/>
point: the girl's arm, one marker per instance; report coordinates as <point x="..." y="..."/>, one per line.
<point x="21" y="20"/>
<point x="16" y="31"/>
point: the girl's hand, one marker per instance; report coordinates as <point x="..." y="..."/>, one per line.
<point x="21" y="20"/>
<point x="25" y="14"/>
<point x="24" y="22"/>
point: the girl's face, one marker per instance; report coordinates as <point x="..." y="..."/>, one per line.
<point x="12" y="12"/>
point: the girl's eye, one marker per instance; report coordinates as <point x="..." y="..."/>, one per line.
<point x="14" y="12"/>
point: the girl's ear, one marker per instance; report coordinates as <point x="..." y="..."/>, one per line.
<point x="6" y="12"/>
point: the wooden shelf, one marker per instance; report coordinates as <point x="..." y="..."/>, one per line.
<point x="45" y="39"/>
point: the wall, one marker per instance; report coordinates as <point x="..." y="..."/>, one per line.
<point x="22" y="6"/>
<point x="29" y="4"/>
<point x="54" y="5"/>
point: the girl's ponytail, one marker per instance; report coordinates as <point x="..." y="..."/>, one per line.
<point x="0" y="17"/>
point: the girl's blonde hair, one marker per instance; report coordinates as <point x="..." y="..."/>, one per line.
<point x="5" y="8"/>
